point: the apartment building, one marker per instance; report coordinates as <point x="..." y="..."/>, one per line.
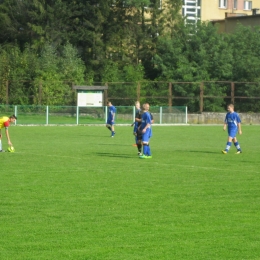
<point x="209" y="10"/>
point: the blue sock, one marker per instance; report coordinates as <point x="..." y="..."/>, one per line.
<point x="237" y="146"/>
<point x="228" y="146"/>
<point x="148" y="150"/>
<point x="145" y="148"/>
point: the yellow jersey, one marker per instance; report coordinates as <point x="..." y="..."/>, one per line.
<point x="4" y="122"/>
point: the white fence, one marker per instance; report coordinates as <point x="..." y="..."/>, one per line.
<point x="75" y="115"/>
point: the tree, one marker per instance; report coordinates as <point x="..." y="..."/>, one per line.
<point x="245" y="44"/>
<point x="56" y="73"/>
<point x="16" y="74"/>
<point x="194" y="54"/>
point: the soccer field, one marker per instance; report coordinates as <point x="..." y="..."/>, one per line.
<point x="75" y="193"/>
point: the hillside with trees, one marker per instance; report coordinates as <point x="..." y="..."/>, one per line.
<point x="48" y="45"/>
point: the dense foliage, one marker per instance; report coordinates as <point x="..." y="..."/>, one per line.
<point x="46" y="46"/>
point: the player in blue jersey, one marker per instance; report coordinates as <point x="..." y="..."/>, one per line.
<point x="146" y="129"/>
<point x="233" y="123"/>
<point x="137" y="131"/>
<point x="111" y="118"/>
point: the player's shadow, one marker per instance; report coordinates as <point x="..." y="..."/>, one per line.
<point x="97" y="135"/>
<point x="197" y="151"/>
<point x="115" y="155"/>
<point x="114" y="144"/>
<point x="203" y="151"/>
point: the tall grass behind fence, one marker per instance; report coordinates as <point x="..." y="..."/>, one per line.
<point x="86" y="115"/>
<point x="168" y="115"/>
<point x="7" y="110"/>
<point x="73" y="115"/>
<point x="31" y="114"/>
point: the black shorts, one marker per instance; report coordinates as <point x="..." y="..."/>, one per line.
<point x="139" y="134"/>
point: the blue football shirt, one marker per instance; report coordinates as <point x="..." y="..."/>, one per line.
<point x="146" y="119"/>
<point x="232" y="119"/>
<point x="111" y="112"/>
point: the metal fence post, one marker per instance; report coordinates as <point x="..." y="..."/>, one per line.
<point x="47" y="115"/>
<point x="232" y="92"/>
<point x="77" y="115"/>
<point x="160" y="115"/>
<point x="201" y="96"/>
<point x="105" y="114"/>
<point x="186" y="114"/>
<point x="170" y="94"/>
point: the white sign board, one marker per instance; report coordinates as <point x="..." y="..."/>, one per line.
<point x="90" y="99"/>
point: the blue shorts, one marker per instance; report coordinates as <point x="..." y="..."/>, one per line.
<point x="110" y="122"/>
<point x="232" y="133"/>
<point x="147" y="135"/>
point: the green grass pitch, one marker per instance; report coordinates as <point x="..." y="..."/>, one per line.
<point x="75" y="193"/>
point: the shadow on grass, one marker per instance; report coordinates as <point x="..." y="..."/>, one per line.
<point x="111" y="144"/>
<point x="115" y="155"/>
<point x="195" y="151"/>
<point x="97" y="135"/>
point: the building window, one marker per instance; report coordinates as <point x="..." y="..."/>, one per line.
<point x="191" y="10"/>
<point x="235" y="4"/>
<point x="191" y="21"/>
<point x="198" y="13"/>
<point x="222" y="3"/>
<point x="247" y="5"/>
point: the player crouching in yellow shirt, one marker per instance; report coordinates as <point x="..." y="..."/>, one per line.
<point x="5" y="123"/>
